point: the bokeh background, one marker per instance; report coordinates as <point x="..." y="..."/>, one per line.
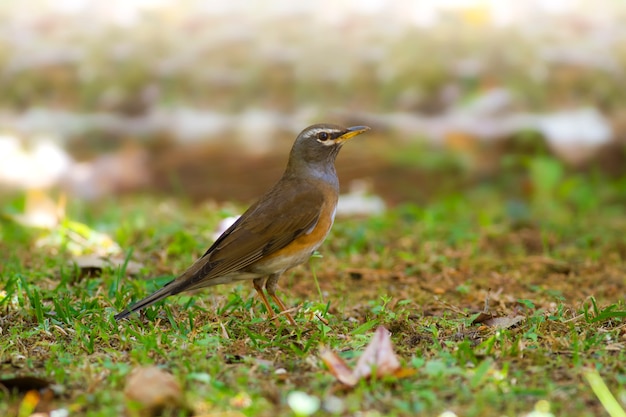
<point x="202" y="99"/>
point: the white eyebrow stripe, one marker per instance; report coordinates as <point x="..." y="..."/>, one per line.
<point x="327" y="142"/>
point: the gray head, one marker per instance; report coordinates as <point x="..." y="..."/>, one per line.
<point x="317" y="146"/>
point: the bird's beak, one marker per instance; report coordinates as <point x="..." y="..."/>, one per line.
<point x="351" y="132"/>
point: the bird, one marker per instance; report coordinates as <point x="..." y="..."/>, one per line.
<point x="278" y="232"/>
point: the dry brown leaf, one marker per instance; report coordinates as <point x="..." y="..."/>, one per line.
<point x="378" y="356"/>
<point x="504" y="322"/>
<point x="488" y="319"/>
<point x="482" y="318"/>
<point x="338" y="367"/>
<point x="153" y="390"/>
<point x="498" y="322"/>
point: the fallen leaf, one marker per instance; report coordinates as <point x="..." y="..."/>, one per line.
<point x="338" y="367"/>
<point x="151" y="390"/>
<point x="498" y="322"/>
<point x="504" y="322"/>
<point x="492" y="320"/>
<point x="378" y="356"/>
<point x="482" y="318"/>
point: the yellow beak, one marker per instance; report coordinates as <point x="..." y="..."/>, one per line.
<point x="351" y="132"/>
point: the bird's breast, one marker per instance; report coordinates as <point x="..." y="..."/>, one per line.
<point x="302" y="247"/>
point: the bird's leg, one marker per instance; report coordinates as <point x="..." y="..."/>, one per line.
<point x="258" y="286"/>
<point x="270" y="287"/>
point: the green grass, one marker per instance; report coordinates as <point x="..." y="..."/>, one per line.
<point x="555" y="256"/>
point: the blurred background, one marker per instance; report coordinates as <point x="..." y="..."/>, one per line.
<point x="203" y="99"/>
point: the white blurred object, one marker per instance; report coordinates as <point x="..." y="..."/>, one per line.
<point x="187" y="124"/>
<point x="585" y="126"/>
<point x="223" y="226"/>
<point x="302" y="403"/>
<point x="107" y="174"/>
<point x="41" y="211"/>
<point x="257" y="129"/>
<point x="575" y="135"/>
<point x="490" y="102"/>
<point x="357" y="202"/>
<point x="39" y="165"/>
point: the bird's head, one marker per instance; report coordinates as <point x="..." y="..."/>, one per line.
<point x="316" y="147"/>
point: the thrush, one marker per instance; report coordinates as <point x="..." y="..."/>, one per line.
<point x="281" y="230"/>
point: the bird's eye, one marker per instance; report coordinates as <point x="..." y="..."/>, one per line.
<point x="322" y="136"/>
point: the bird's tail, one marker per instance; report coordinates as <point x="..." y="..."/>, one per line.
<point x="164" y="292"/>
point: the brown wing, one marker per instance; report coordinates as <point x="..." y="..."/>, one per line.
<point x="266" y="227"/>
